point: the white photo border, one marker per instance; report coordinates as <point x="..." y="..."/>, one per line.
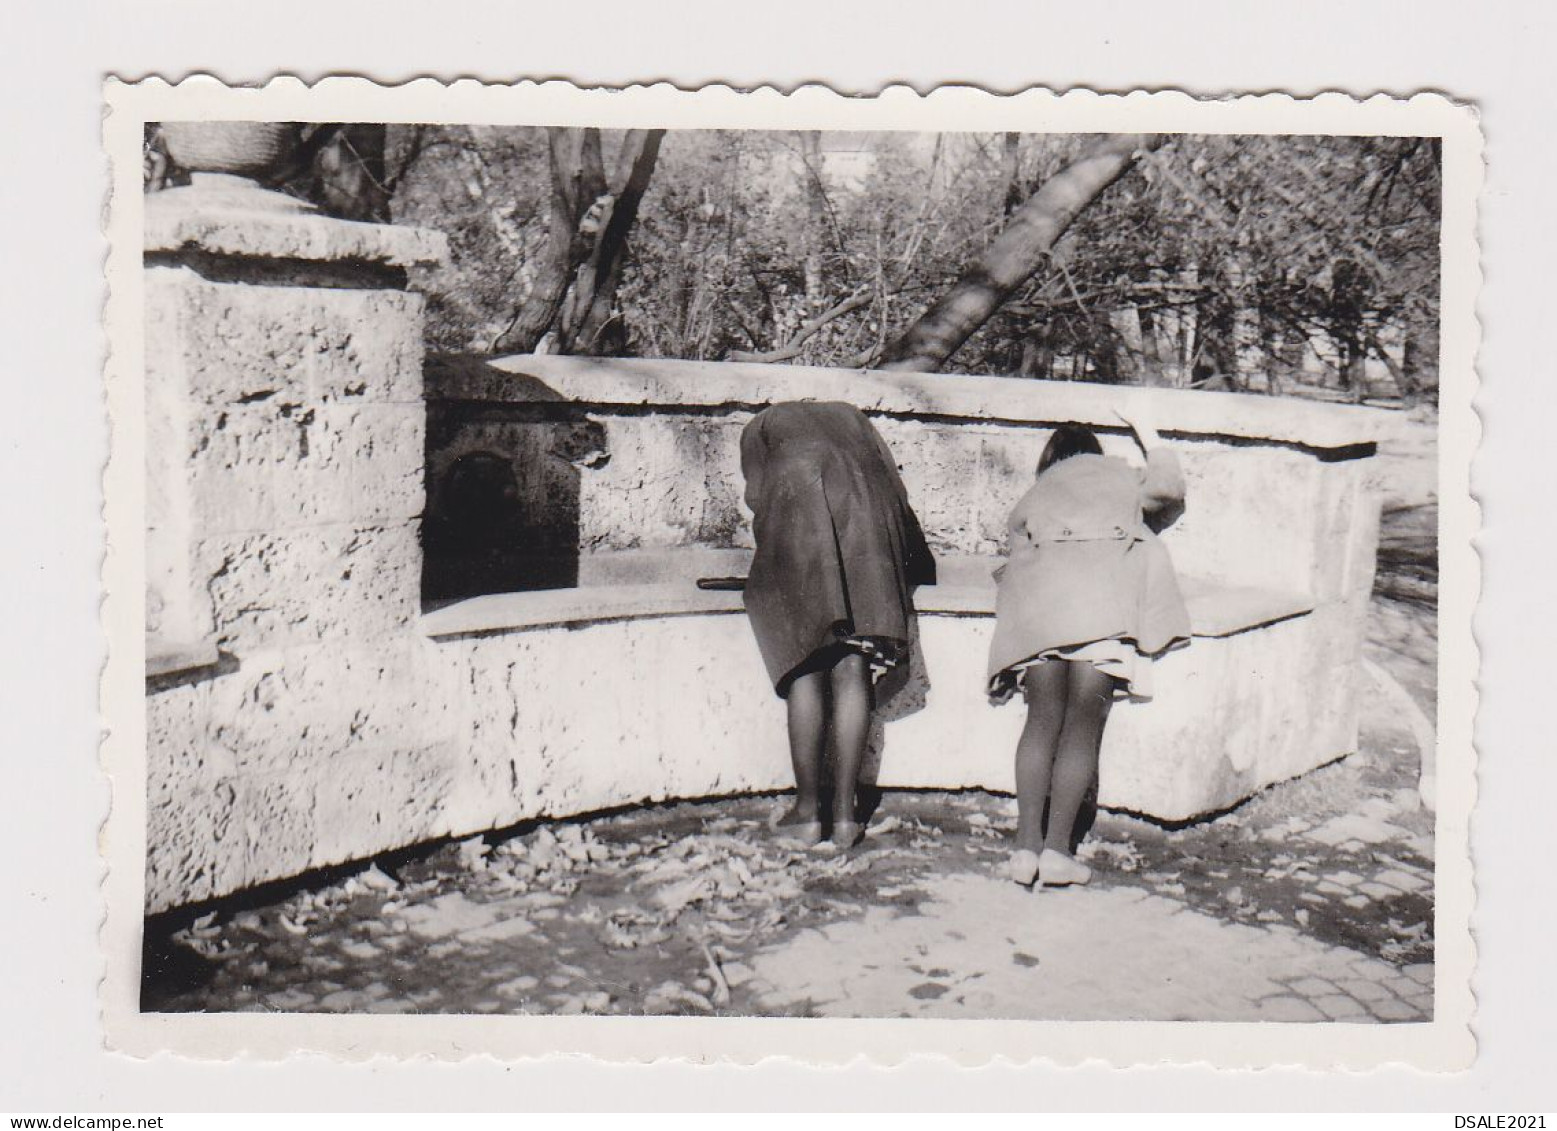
<point x="1444" y="1044"/>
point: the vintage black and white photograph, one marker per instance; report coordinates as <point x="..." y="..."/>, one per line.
<point x="631" y="565"/>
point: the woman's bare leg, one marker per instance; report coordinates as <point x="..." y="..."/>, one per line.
<point x="1045" y="693"/>
<point x="807" y="718"/>
<point x="850" y="679"/>
<point x="1088" y="696"/>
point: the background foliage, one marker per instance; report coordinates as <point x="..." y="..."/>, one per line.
<point x="1278" y="264"/>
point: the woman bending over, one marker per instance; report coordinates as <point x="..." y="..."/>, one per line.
<point x="830" y="593"/>
<point x="1086" y="600"/>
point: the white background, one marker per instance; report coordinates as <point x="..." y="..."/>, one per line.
<point x="53" y="440"/>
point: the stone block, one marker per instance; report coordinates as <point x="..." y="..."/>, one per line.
<point x="1232" y="492"/>
<point x="224" y="225"/>
<point x="233" y="457"/>
<point x="277" y="466"/>
<point x="683" y="385"/>
<point x="296" y="708"/>
<point x="549" y="734"/>
<point x="276" y="813"/>
<point x="241" y="343"/>
<point x="180" y="757"/>
<point x="271" y="590"/>
<point x="652" y="489"/>
<point x="195" y="846"/>
<point x="940" y="469"/>
<point x="1336" y="502"/>
<point x="372" y="799"/>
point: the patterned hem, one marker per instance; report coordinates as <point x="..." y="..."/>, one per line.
<point x="882" y="654"/>
<point x="1118" y="659"/>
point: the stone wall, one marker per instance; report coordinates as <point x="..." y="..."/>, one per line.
<point x="306" y="708"/>
<point x="1276" y="550"/>
<point x="285" y="433"/>
<point x="649" y="454"/>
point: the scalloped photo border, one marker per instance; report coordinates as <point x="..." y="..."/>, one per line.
<point x="1446" y="1043"/>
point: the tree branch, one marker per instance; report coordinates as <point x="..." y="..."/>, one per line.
<point x="1015" y="254"/>
<point x="791" y="349"/>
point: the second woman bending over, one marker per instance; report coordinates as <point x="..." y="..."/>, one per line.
<point x="1086" y="599"/>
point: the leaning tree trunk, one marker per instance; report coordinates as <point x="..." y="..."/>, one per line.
<point x="1015" y="255"/>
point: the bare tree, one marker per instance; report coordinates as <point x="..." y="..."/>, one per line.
<point x="588" y="223"/>
<point x="577" y="182"/>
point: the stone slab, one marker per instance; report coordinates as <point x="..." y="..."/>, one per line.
<point x="178" y="220"/>
<point x="1214" y="610"/>
<point x="620" y="381"/>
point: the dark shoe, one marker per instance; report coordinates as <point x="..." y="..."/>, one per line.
<point x="846" y="834"/>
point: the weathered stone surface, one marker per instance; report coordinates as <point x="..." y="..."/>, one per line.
<point x="265" y="467"/>
<point x="665" y="480"/>
<point x="194" y="845"/>
<point x="244" y="344"/>
<point x="276" y="815"/>
<point x="381" y="794"/>
<point x="187" y="219"/>
<point x="304" y="705"/>
<point x="179" y="759"/>
<point x="270" y="590"/>
<point x="669" y="481"/>
<point x="726" y="385"/>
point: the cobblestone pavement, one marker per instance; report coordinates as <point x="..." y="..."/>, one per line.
<point x="1115" y="953"/>
<point x="692" y="909"/>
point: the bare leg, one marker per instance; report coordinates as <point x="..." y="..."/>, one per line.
<point x="1088" y="696"/>
<point x="850" y="679"/>
<point x="807" y="714"/>
<point x="1045" y="691"/>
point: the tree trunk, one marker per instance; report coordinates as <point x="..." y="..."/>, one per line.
<point x="1015" y="254"/>
<point x="816" y="211"/>
<point x="348" y="174"/>
<point x="1419" y="362"/>
<point x="1012" y="161"/>
<point x="635" y="165"/>
<point x="1129" y="353"/>
<point x="1353" y="359"/>
<point x="1037" y="356"/>
<point x="577" y="181"/>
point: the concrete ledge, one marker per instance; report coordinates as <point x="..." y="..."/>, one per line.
<point x="1215" y="611"/>
<point x="672" y="385"/>
<point x="189" y="219"/>
<point x="167" y="657"/>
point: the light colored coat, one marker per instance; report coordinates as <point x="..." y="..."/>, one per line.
<point x="1084" y="564"/>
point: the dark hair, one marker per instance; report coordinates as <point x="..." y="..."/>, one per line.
<point x="1068" y="440"/>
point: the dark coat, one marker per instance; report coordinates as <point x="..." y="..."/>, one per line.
<point x="839" y="549"/>
<point x="1085" y="566"/>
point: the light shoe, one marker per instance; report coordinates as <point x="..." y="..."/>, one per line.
<point x="806" y="834"/>
<point x="1023" y="867"/>
<point x="794" y="833"/>
<point x="1056" y="870"/>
